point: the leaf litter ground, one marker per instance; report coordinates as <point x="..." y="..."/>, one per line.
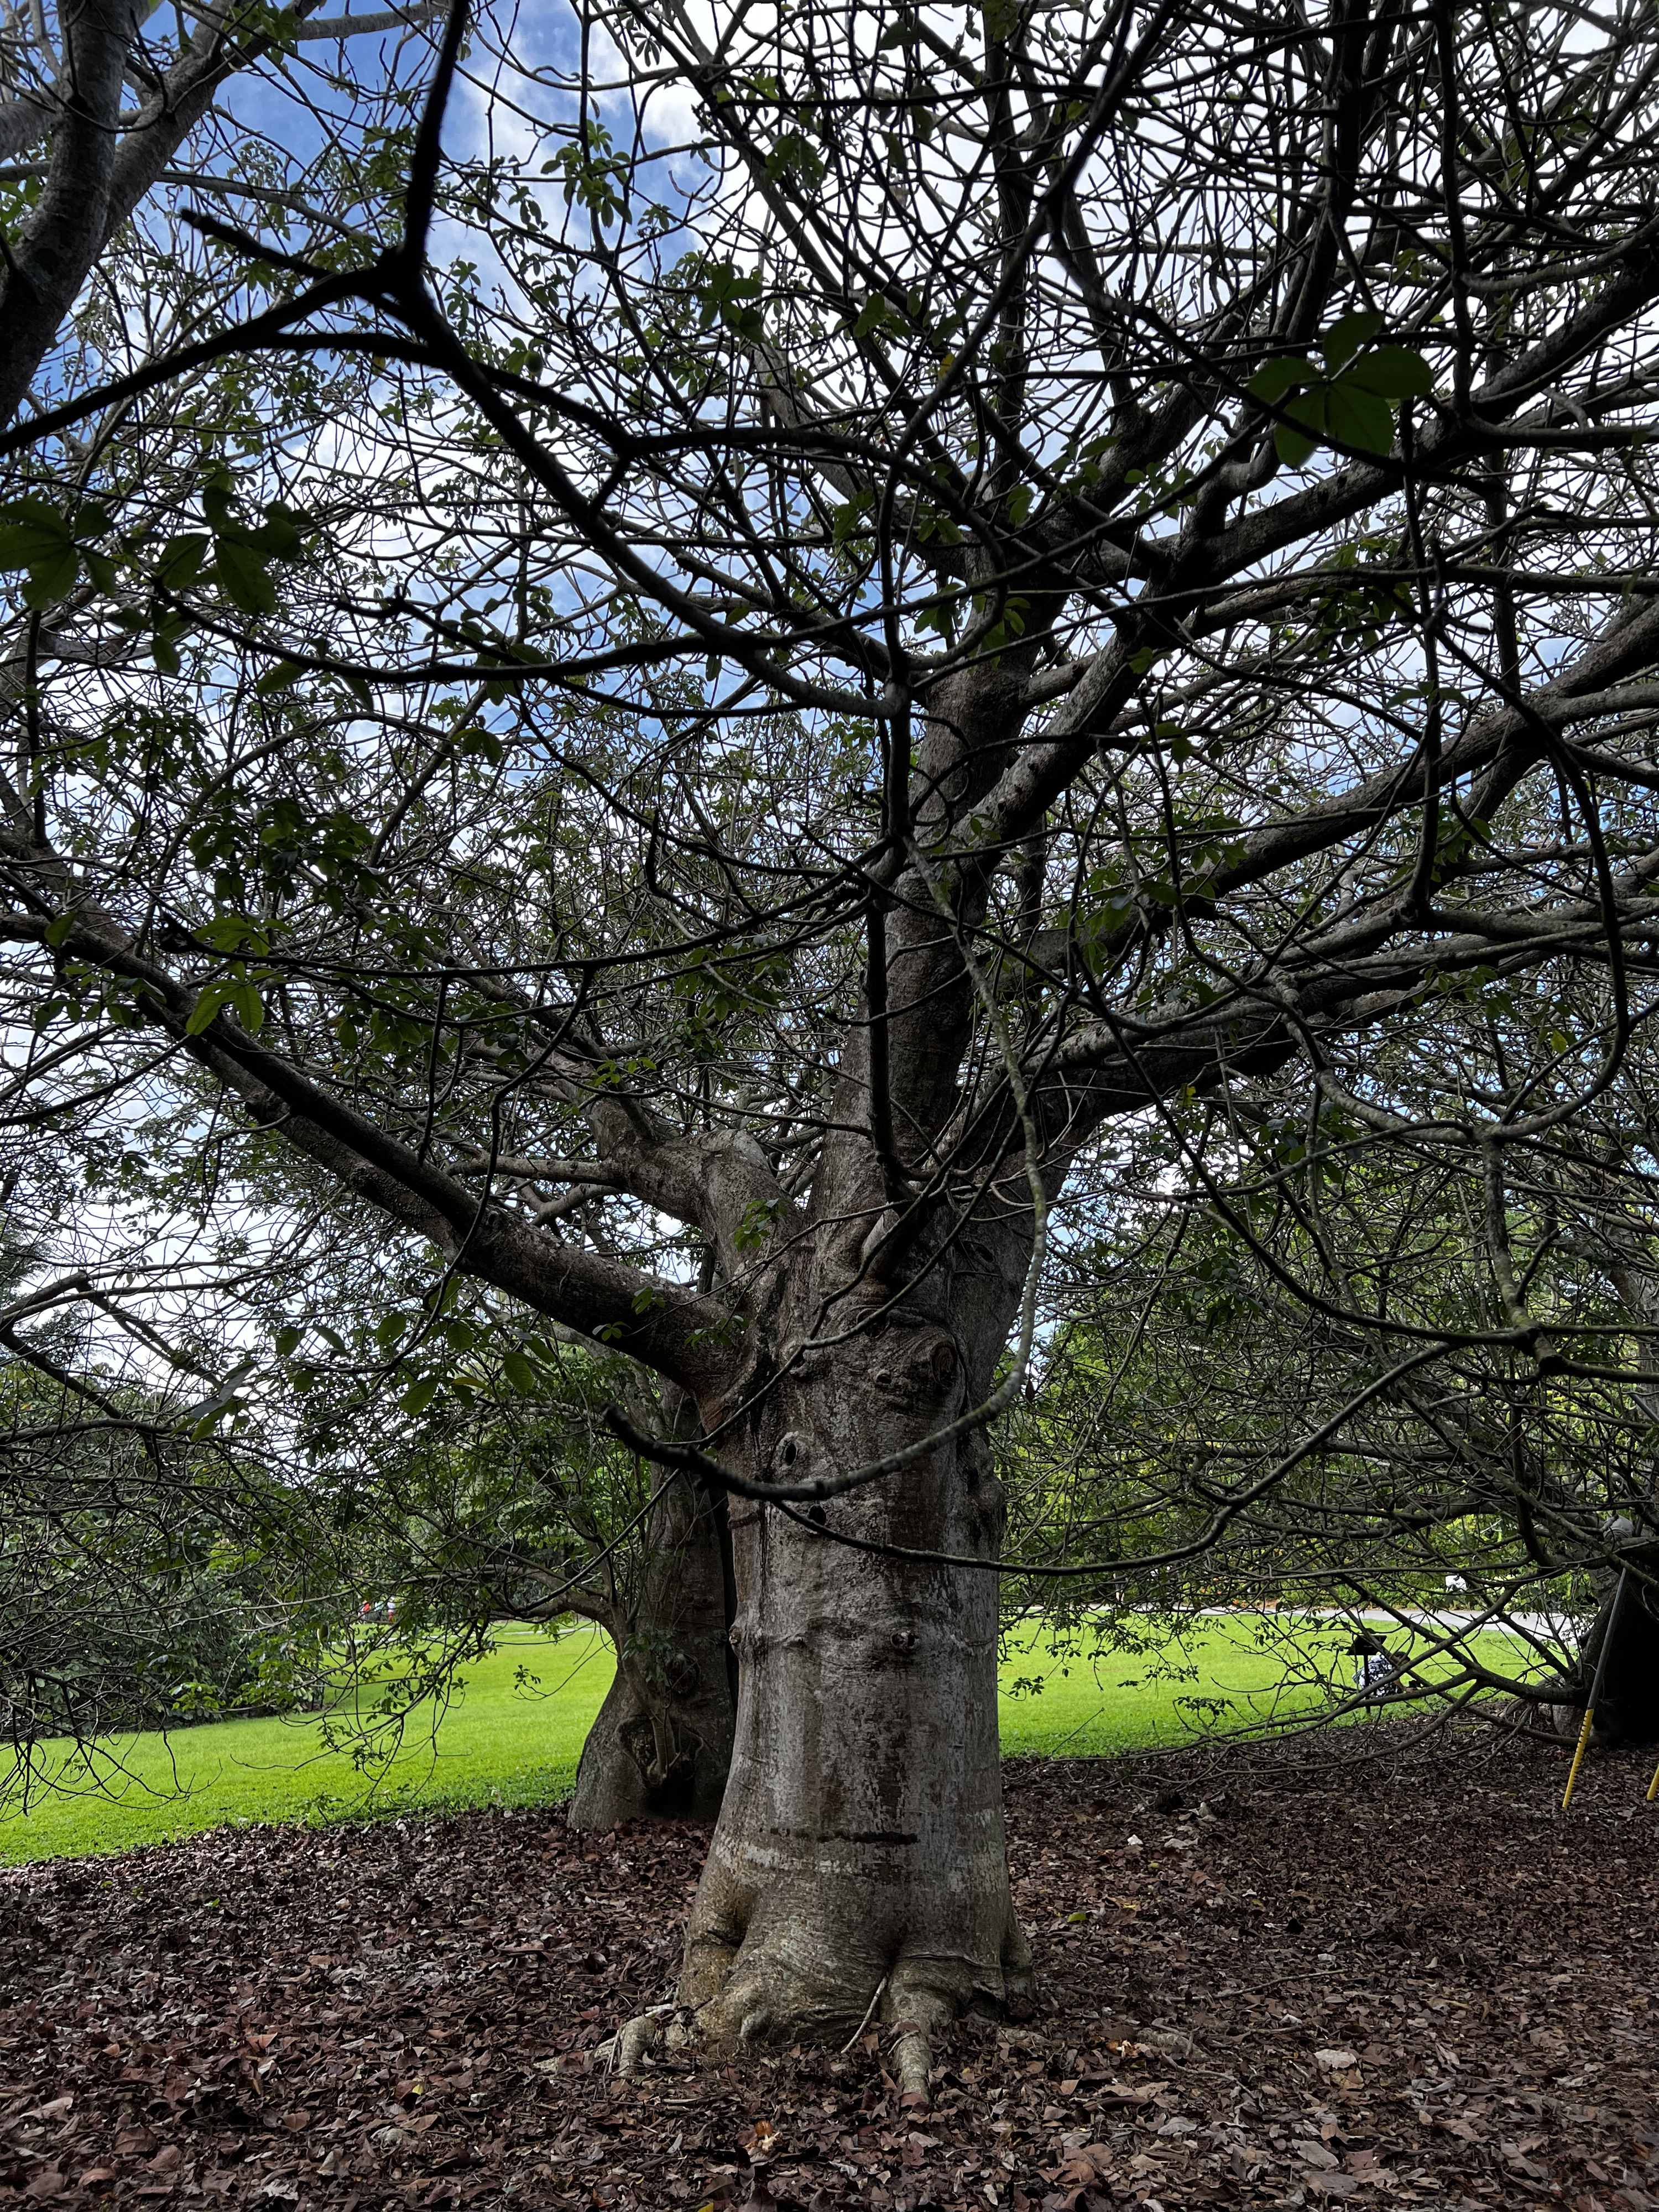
<point x="1403" y="1977"/>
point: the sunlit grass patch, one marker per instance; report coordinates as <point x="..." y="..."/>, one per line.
<point x="501" y="1742"/>
<point x="496" y="1743"/>
<point x="1105" y="1684"/>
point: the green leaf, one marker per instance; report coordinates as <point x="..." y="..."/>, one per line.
<point x="288" y="1341"/>
<point x="521" y="1373"/>
<point x="1293" y="440"/>
<point x="243" y="578"/>
<point x="248" y="1008"/>
<point x="208" y="1004"/>
<point x="419" y="1395"/>
<point x="164" y="653"/>
<point x="182" y="559"/>
<point x="34" y="508"/>
<point x="52" y="575"/>
<point x="219" y="497"/>
<point x="282" y="678"/>
<point x="1360" y="419"/>
<point x="1343" y="339"/>
<point x="30" y="531"/>
<point x="1276" y="377"/>
<point x="1559" y="1040"/>
<point x="58" y="930"/>
<point x="279" y="536"/>
<point x="1393" y="372"/>
<point x="234" y="932"/>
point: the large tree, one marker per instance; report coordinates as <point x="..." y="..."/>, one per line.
<point x="786" y="620"/>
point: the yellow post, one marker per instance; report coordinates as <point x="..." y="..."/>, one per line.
<point x="1578" y="1760"/>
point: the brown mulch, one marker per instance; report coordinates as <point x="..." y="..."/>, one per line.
<point x="1409" y="1980"/>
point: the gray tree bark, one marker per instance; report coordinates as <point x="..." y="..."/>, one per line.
<point x="860" y="1854"/>
<point x="861" y="1858"/>
<point x="660" y="1744"/>
<point x="55" y="249"/>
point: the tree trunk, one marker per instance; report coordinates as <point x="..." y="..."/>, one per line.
<point x="861" y="1847"/>
<point x="1627" y="1710"/>
<point x="661" y="1742"/>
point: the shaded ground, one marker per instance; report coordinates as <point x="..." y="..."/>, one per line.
<point x="1405" y="1981"/>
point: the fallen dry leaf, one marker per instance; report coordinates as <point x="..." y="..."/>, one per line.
<point x="410" y="2015"/>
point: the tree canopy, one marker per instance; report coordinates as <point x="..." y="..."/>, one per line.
<point x="746" y="675"/>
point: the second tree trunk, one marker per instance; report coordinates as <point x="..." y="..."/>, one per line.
<point x="661" y="1743"/>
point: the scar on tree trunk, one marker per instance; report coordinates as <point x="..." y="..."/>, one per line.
<point x="660" y="1744"/>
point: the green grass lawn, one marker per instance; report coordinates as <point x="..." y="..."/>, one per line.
<point x="499" y="1743"/>
<point x="1222" y="1673"/>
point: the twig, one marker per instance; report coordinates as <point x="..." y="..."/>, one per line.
<point x="868" y="2010"/>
